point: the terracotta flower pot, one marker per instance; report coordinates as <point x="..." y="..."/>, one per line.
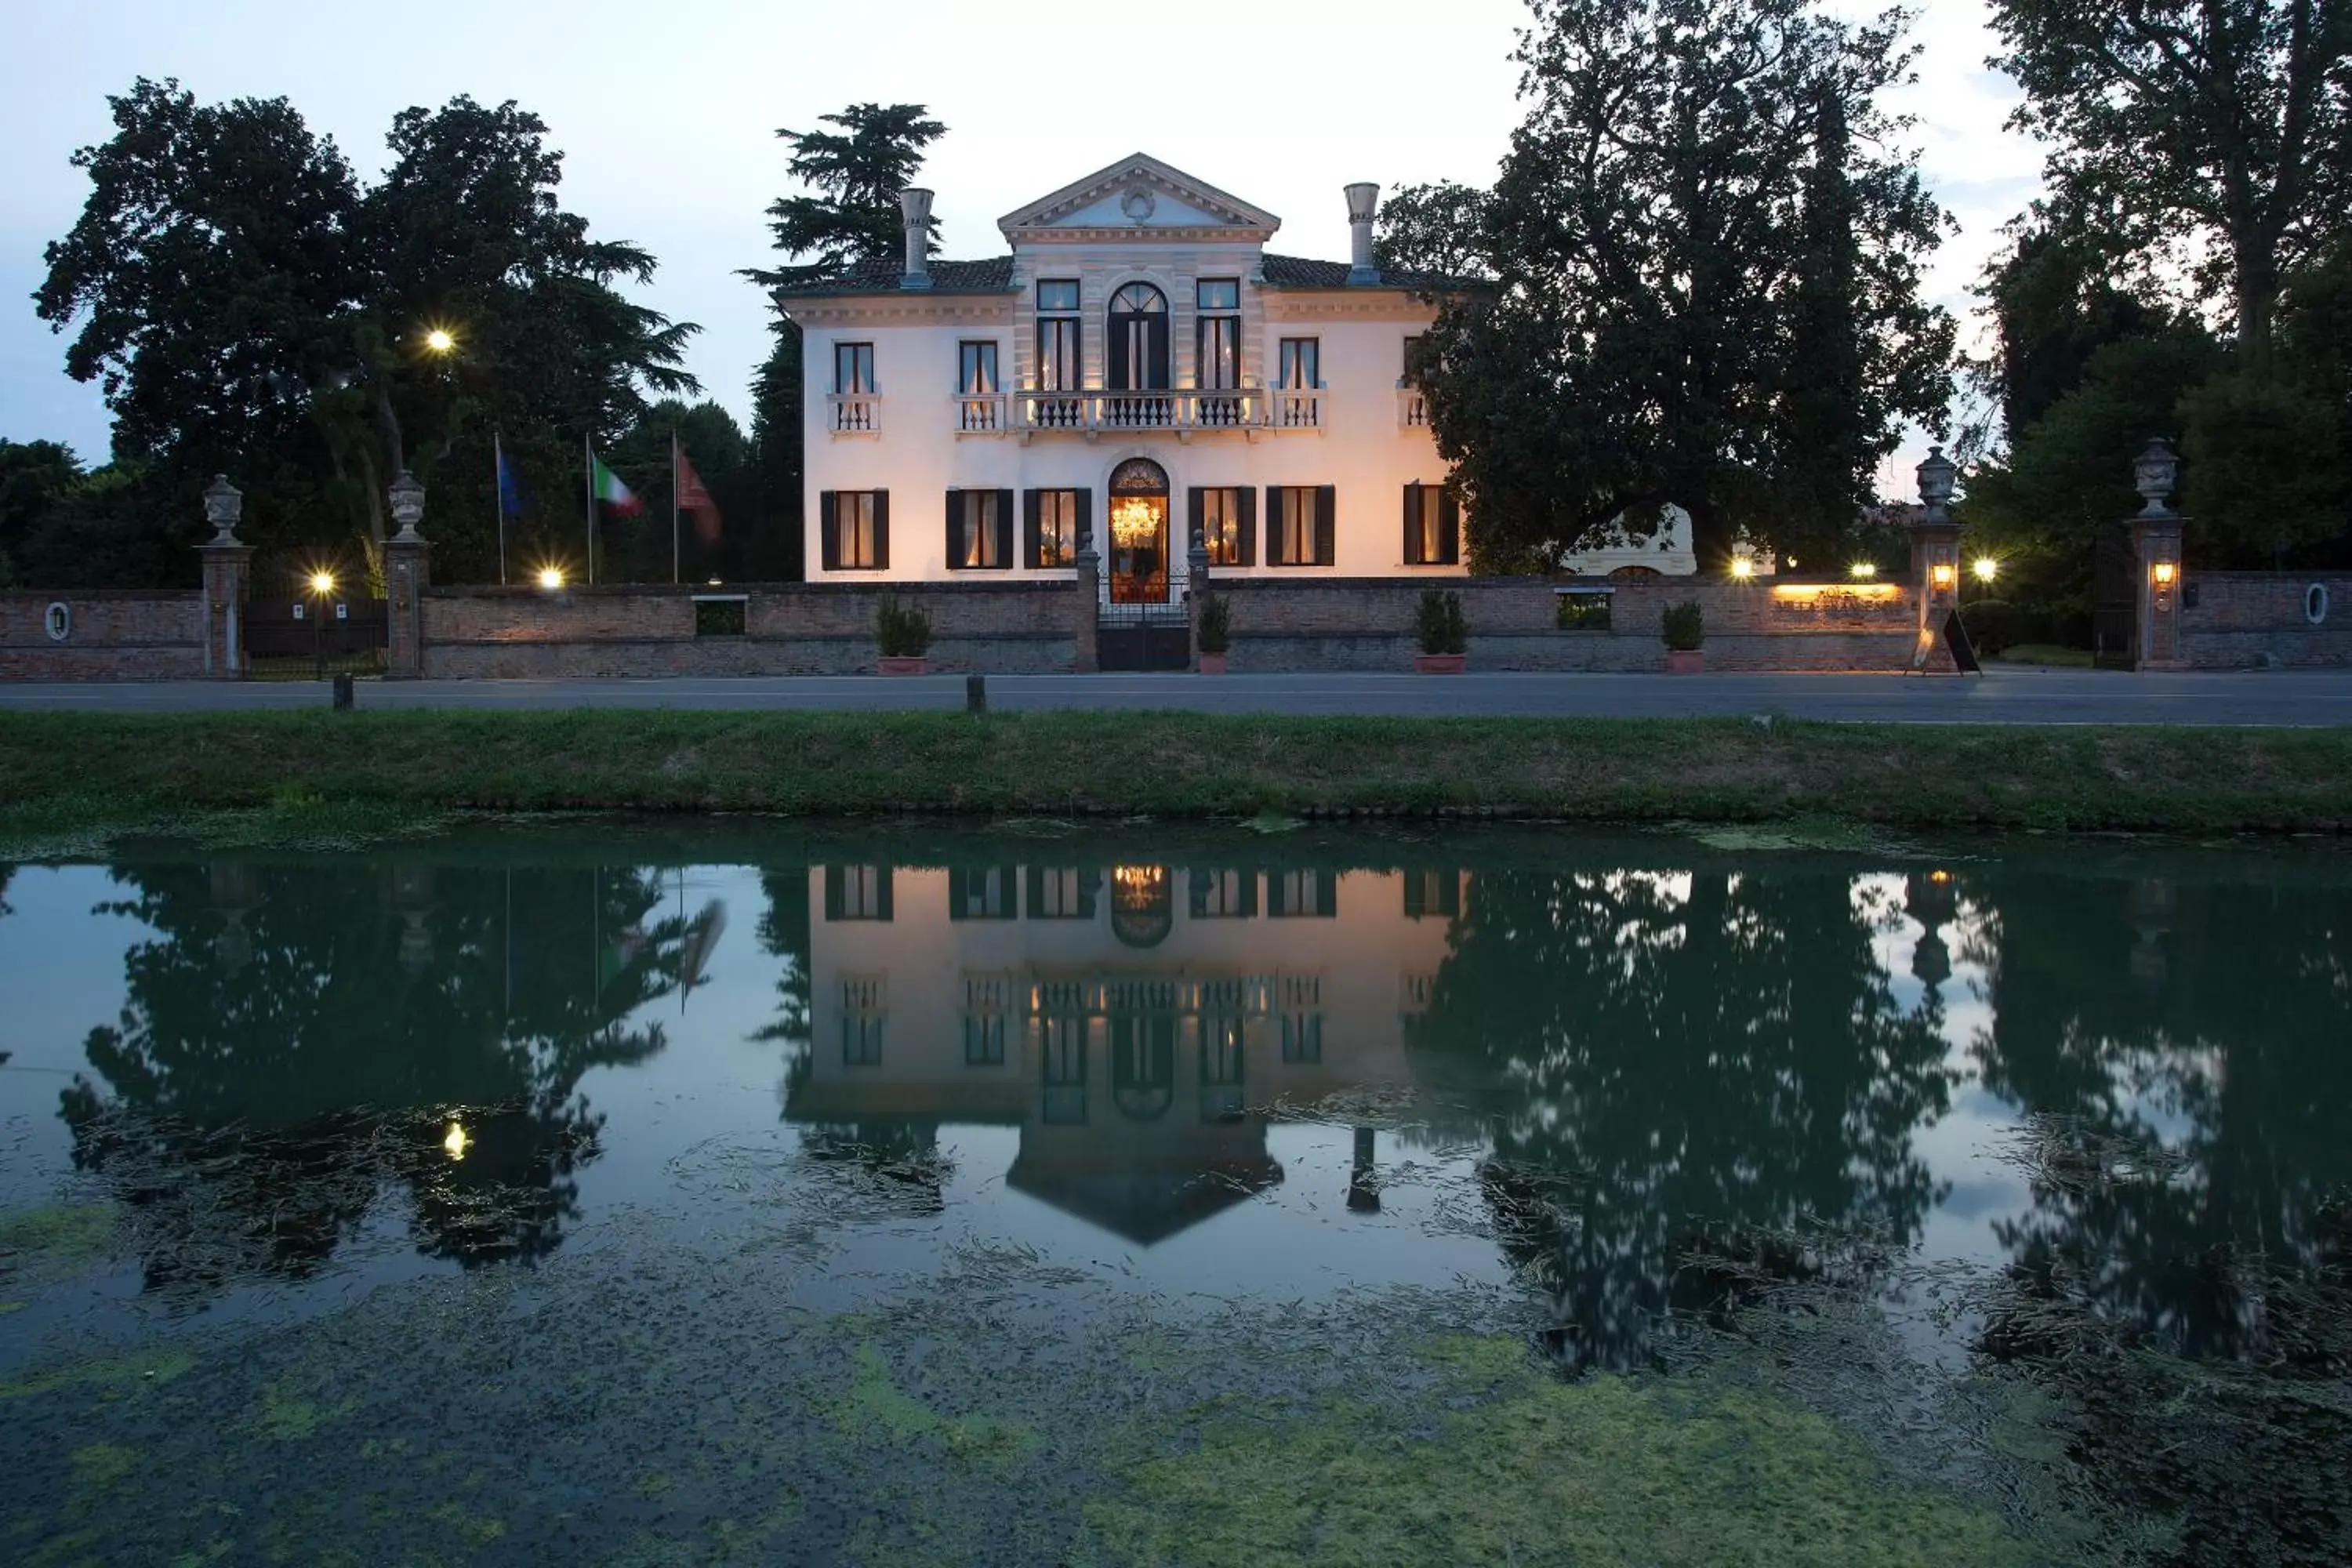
<point x="1212" y="664"/>
<point x="1686" y="660"/>
<point x="897" y="664"/>
<point x="1440" y="663"/>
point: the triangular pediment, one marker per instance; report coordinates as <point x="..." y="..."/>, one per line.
<point x="1139" y="195"/>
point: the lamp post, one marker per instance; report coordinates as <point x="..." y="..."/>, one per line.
<point x="321" y="584"/>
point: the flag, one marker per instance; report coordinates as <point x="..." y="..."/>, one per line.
<point x="514" y="497"/>
<point x="606" y="487"/>
<point x="694" y="497"/>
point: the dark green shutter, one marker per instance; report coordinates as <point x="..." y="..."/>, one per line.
<point x="882" y="531"/>
<point x="882" y="909"/>
<point x="1032" y="528"/>
<point x="1086" y="515"/>
<point x="1412" y="524"/>
<point x="1326" y="524"/>
<point x="1197" y="508"/>
<point x="828" y="533"/>
<point x="955" y="530"/>
<point x="1248" y="552"/>
<point x="832" y="880"/>
<point x="1449" y="526"/>
<point x="1004" y="529"/>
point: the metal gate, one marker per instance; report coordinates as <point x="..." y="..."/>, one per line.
<point x="296" y="639"/>
<point x="1143" y="636"/>
<point x="2115" y="601"/>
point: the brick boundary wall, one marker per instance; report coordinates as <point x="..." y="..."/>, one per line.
<point x="118" y="634"/>
<point x="1368" y="624"/>
<point x="2239" y="616"/>
<point x="790" y="628"/>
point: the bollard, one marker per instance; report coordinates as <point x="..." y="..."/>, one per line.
<point x="344" y="693"/>
<point x="975" y="694"/>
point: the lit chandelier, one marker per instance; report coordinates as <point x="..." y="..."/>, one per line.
<point x="1134" y="522"/>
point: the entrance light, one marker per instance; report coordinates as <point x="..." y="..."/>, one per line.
<point x="1742" y="566"/>
<point x="551" y="577"/>
<point x="2164" y="569"/>
<point x="1987" y="568"/>
<point x="322" y="583"/>
<point x="1942" y="573"/>
<point x="1865" y="569"/>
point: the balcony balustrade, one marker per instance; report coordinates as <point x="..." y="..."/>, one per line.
<point x="1412" y="408"/>
<point x="1182" y="410"/>
<point x="854" y="413"/>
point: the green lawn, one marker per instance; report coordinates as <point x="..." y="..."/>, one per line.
<point x="58" y="770"/>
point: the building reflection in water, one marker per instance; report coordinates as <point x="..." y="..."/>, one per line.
<point x="1134" y="1021"/>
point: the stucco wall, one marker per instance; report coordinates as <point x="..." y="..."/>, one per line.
<point x="125" y="635"/>
<point x="2239" y="616"/>
<point x="789" y="629"/>
<point x="1368" y="624"/>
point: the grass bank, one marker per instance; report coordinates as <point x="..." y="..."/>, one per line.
<point x="59" y="771"/>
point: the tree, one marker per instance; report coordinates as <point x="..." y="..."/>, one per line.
<point x="249" y="309"/>
<point x="2216" y="132"/>
<point x="1693" y="180"/>
<point x="849" y="217"/>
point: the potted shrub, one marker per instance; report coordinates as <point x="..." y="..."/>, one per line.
<point x="1686" y="628"/>
<point x="903" y="634"/>
<point x="1444" y="636"/>
<point x="1214" y="636"/>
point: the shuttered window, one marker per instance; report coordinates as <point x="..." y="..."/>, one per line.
<point x="1223" y="519"/>
<point x="853" y="531"/>
<point x="980" y="530"/>
<point x="1432" y="526"/>
<point x="1301" y="527"/>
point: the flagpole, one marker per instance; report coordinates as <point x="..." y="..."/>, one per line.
<point x="588" y="455"/>
<point x="673" y="506"/>
<point x="499" y="498"/>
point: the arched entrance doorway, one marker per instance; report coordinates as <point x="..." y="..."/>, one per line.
<point x="1138" y="533"/>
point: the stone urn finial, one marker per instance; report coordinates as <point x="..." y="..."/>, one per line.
<point x="224" y="505"/>
<point x="2153" y="473"/>
<point x="407" y="507"/>
<point x="1937" y="477"/>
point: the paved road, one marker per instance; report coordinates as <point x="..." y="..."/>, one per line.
<point x="2003" y="696"/>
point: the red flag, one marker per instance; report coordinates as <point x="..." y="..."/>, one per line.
<point x="692" y="496"/>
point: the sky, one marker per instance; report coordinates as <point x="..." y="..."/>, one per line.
<point x="668" y="115"/>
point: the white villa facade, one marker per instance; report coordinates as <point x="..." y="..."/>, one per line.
<point x="1137" y="373"/>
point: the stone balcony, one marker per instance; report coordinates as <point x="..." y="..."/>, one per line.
<point x="1182" y="412"/>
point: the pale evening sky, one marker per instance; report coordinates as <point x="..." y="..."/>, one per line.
<point x="667" y="117"/>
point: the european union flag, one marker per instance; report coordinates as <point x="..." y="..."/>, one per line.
<point x="514" y="497"/>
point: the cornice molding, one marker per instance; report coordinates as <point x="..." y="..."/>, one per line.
<point x="902" y="310"/>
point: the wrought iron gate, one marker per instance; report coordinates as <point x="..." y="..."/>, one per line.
<point x="294" y="639"/>
<point x="2115" y="601"/>
<point x="1143" y="636"/>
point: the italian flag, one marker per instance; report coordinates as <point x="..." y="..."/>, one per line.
<point x="606" y="487"/>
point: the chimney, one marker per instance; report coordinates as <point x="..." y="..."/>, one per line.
<point x="1363" y="201"/>
<point x="914" y="204"/>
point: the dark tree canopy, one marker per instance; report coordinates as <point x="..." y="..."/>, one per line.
<point x="249" y="307"/>
<point x="1706" y="254"/>
<point x="849" y="215"/>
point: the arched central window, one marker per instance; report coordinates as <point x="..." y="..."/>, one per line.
<point x="1138" y="338"/>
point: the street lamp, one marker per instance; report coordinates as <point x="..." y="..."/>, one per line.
<point x="551" y="577"/>
<point x="1987" y="569"/>
<point x="321" y="584"/>
<point x="439" y="340"/>
<point x="1743" y="567"/>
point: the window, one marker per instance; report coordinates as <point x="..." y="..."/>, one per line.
<point x="1301" y="363"/>
<point x="861" y="1041"/>
<point x="1300" y="529"/>
<point x="980" y="530"/>
<point x="1138" y="338"/>
<point x="1405" y="373"/>
<point x="985" y="893"/>
<point x="1061" y="893"/>
<point x="852" y="368"/>
<point x="1302" y="1037"/>
<point x="1307" y="894"/>
<point x="1220" y="331"/>
<point x="1054" y="525"/>
<point x="1432" y="526"/>
<point x="1057" y="335"/>
<point x="853" y="530"/>
<point x="1431" y="893"/>
<point x="1062" y="1048"/>
<point x="984" y="1039"/>
<point x="858" y="892"/>
<point x="1224" y="895"/>
<point x="976" y="369"/>
<point x="1222" y="519"/>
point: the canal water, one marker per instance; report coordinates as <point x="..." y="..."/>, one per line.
<point x="640" y="1194"/>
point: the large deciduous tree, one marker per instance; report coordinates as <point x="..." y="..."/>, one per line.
<point x="250" y="307"/>
<point x="2213" y="132"/>
<point x="848" y="217"/>
<point x="1704" y="250"/>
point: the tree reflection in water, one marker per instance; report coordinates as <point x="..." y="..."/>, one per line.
<point x="1671" y="1056"/>
<point x="298" y="1040"/>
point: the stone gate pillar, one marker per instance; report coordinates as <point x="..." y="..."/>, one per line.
<point x="1934" y="561"/>
<point x="2156" y="555"/>
<point x="407" y="569"/>
<point x="1082" y="610"/>
<point x="228" y="582"/>
<point x="1197" y="565"/>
